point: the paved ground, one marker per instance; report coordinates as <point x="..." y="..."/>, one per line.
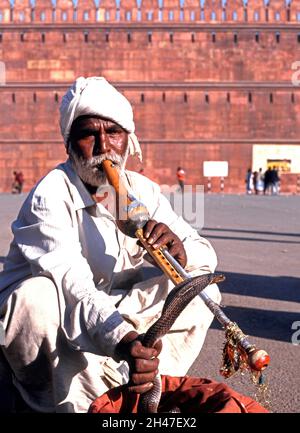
<point x="257" y="240"/>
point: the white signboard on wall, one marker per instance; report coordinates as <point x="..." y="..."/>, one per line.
<point x="215" y="168"/>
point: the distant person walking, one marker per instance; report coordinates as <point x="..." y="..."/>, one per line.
<point x="181" y="178"/>
<point x="268" y="181"/>
<point x="258" y="180"/>
<point x="249" y="181"/>
<point x="20" y="179"/>
<point x="14" y="186"/>
<point x="274" y="180"/>
<point x="17" y="185"/>
<point x="255" y="173"/>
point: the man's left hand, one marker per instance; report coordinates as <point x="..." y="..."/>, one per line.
<point x="159" y="234"/>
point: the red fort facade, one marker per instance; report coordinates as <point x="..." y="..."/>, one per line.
<point x="209" y="81"/>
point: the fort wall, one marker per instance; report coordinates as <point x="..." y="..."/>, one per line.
<point x="207" y="80"/>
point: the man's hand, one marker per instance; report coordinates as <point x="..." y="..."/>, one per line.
<point x="142" y="361"/>
<point x="159" y="234"/>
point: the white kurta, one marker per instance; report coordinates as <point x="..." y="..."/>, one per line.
<point x="62" y="234"/>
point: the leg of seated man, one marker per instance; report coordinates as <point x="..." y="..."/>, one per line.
<point x="48" y="373"/>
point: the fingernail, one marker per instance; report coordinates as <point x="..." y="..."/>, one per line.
<point x="150" y="240"/>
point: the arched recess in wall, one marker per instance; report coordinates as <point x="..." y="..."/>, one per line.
<point x="5" y="11"/>
<point x="149" y="10"/>
<point x="256" y="11"/>
<point x="295" y="11"/>
<point x="171" y="10"/>
<point x="130" y="10"/>
<point x="86" y="11"/>
<point x="191" y="10"/>
<point x="278" y="11"/>
<point x="64" y="11"/>
<point x="108" y="11"/>
<point x="22" y="11"/>
<point x="212" y="10"/>
<point x="234" y="11"/>
<point x="43" y="11"/>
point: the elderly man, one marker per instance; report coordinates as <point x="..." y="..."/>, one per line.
<point x="73" y="302"/>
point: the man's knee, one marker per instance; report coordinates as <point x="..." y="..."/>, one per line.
<point x="35" y="302"/>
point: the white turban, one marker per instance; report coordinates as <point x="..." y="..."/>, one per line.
<point x="95" y="96"/>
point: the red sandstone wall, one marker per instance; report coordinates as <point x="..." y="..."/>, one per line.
<point x="140" y="60"/>
<point x="175" y="132"/>
<point x="199" y="109"/>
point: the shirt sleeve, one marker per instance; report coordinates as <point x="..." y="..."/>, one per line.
<point x="46" y="233"/>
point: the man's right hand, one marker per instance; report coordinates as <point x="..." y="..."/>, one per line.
<point x="142" y="361"/>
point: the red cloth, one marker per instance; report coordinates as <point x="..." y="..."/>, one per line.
<point x="20" y="177"/>
<point x="189" y="394"/>
<point x="180" y="174"/>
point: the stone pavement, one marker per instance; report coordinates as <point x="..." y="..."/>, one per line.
<point x="257" y="240"/>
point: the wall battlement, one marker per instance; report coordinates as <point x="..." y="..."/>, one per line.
<point x="148" y="11"/>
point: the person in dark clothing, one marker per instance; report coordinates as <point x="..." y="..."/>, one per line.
<point x="17" y="185"/>
<point x="255" y="182"/>
<point x="274" y="181"/>
<point x="268" y="181"/>
<point x="20" y="181"/>
<point x="249" y="181"/>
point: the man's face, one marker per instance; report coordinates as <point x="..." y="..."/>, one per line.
<point x="94" y="139"/>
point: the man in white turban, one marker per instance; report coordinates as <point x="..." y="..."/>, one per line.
<point x="73" y="297"/>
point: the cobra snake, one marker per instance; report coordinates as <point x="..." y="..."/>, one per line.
<point x="175" y="303"/>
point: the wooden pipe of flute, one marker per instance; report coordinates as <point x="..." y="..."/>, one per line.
<point x="113" y="177"/>
<point x="136" y="215"/>
<point x="130" y="213"/>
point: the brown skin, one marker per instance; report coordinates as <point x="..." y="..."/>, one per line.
<point x="159" y="234"/>
<point x="142" y="361"/>
<point x="91" y="136"/>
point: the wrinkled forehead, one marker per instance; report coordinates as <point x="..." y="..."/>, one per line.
<point x="89" y="120"/>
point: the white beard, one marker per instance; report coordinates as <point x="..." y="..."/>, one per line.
<point x="90" y="170"/>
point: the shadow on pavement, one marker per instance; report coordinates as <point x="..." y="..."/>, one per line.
<point x="235" y="238"/>
<point x="259" y="232"/>
<point x="274" y="325"/>
<point x="270" y="324"/>
<point x="283" y="288"/>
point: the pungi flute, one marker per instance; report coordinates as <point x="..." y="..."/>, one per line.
<point x="132" y="215"/>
